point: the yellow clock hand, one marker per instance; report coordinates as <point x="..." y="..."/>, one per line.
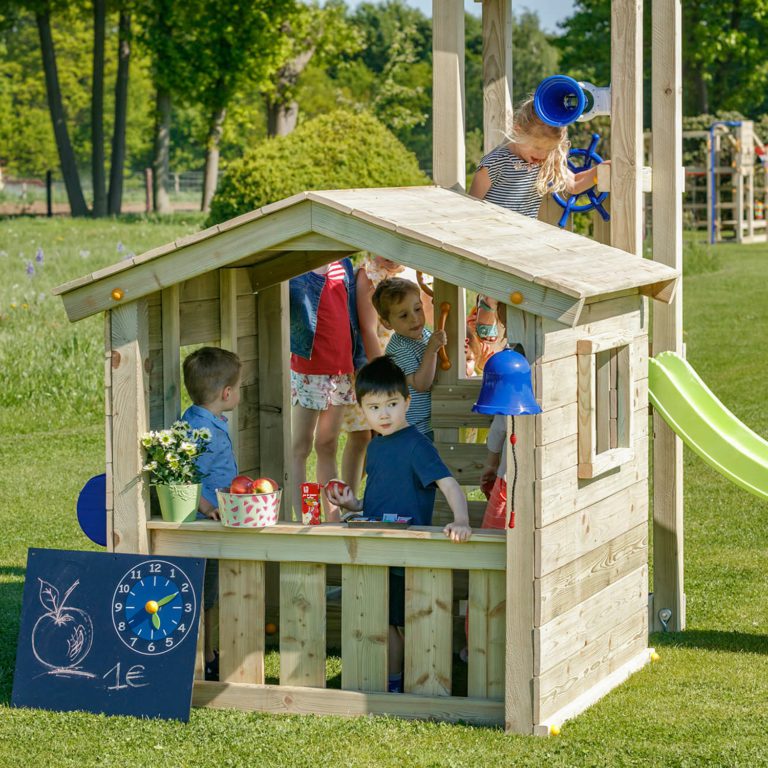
<point x="161" y="603"/>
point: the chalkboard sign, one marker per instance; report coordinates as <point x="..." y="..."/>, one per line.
<point x="108" y="633"/>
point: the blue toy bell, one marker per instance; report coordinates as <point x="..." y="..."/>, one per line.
<point x="506" y="388"/>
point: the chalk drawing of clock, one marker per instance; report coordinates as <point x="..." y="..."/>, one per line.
<point x="153" y="607"/>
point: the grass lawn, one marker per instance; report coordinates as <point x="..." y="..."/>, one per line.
<point x="705" y="703"/>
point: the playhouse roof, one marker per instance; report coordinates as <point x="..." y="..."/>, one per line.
<point x="456" y="238"/>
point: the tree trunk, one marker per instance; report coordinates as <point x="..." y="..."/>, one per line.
<point x="283" y="109"/>
<point x="115" y="201"/>
<point x="97" y="111"/>
<point x="161" y="164"/>
<point x="77" y="204"/>
<point x="211" y="174"/>
<point x="282" y="118"/>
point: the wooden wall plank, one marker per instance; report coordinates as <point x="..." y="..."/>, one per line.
<point x="563" y="493"/>
<point x="579" y="533"/>
<point x="428" y="637"/>
<point x="302" y="624"/>
<point x="465" y="460"/>
<point x="486" y="643"/>
<point x="564" y="636"/>
<point x="241" y="621"/>
<point x="364" y="627"/>
<point x="425" y="547"/>
<point x="587" y="575"/>
<point x="593" y="662"/>
<point x="130" y="419"/>
<point x="284" y="700"/>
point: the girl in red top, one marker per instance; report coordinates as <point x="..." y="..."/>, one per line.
<point x="326" y="348"/>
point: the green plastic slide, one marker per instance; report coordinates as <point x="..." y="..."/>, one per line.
<point x="705" y="425"/>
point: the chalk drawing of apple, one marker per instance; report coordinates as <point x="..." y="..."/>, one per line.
<point x="63" y="635"/>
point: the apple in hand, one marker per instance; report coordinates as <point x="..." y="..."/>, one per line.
<point x="336" y="486"/>
<point x="263" y="485"/>
<point x="241" y="484"/>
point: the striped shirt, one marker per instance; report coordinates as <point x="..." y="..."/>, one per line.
<point x="513" y="181"/>
<point x="408" y="354"/>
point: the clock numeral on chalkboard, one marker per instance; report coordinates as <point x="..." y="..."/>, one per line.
<point x="124" y="588"/>
<point x="187" y="607"/>
<point x="155" y="567"/>
<point x="135" y="575"/>
<point x="185" y="587"/>
<point x="118" y="607"/>
<point x="121" y="626"/>
<point x="131" y="679"/>
<point x="151" y="647"/>
<point x="168" y="642"/>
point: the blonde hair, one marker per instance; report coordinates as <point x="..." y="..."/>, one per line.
<point x="527" y="126"/>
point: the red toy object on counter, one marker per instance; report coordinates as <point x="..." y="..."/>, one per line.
<point x="310" y="503"/>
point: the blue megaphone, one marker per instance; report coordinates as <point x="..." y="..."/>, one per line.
<point x="560" y="100"/>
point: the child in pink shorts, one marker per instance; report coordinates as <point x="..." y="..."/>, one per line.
<point x="326" y="349"/>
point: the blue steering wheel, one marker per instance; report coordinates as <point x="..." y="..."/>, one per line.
<point x="596" y="199"/>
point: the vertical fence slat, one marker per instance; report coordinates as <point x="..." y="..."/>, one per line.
<point x="241" y="621"/>
<point x="364" y="627"/>
<point x="302" y="624"/>
<point x="487" y="606"/>
<point x="428" y="630"/>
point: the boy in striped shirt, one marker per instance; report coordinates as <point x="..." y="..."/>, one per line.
<point x="412" y="346"/>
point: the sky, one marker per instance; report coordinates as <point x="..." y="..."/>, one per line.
<point x="550" y="11"/>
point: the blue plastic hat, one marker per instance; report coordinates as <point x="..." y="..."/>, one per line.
<point x="559" y="100"/>
<point x="506" y="386"/>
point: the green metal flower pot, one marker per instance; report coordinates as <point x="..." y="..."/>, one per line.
<point x="178" y="503"/>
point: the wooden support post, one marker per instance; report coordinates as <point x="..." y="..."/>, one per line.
<point x="497" y="72"/>
<point x="448" y="133"/>
<point x="49" y="193"/>
<point x="667" y="318"/>
<point x="129" y="410"/>
<point x="275" y="391"/>
<point x="519" y="662"/>
<point x="627" y="125"/>
<point x="228" y="320"/>
<point x="171" y="355"/>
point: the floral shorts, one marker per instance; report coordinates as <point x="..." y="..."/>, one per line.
<point x="354" y="421"/>
<point x="317" y="392"/>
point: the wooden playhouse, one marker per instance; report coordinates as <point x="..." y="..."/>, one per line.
<point x="558" y="605"/>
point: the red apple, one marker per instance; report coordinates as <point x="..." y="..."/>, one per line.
<point x="263" y="485"/>
<point x="337" y="486"/>
<point x="241" y="484"/>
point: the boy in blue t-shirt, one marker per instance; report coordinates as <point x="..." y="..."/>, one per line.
<point x="212" y="378"/>
<point x="412" y="346"/>
<point x="404" y="469"/>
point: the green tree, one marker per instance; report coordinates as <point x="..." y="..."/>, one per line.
<point x="309" y="32"/>
<point x="67" y="160"/>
